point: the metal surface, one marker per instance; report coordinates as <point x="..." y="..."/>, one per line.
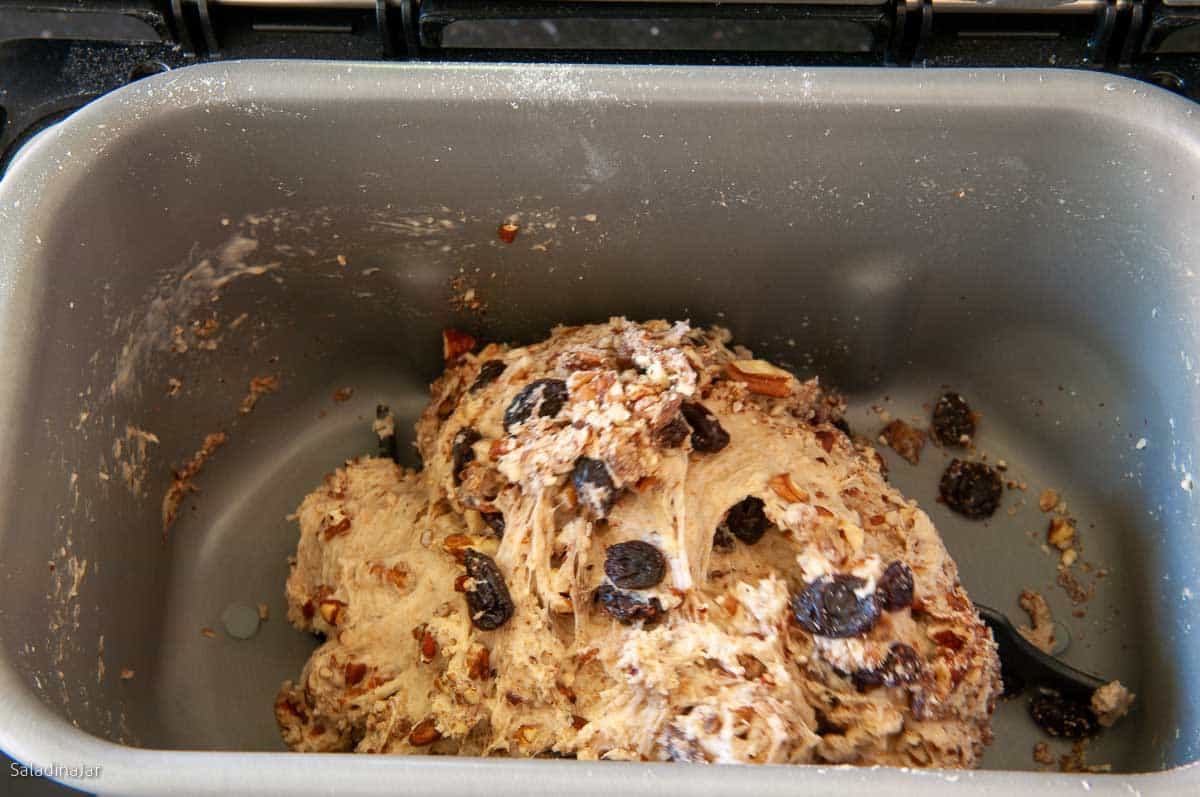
<point x="1027" y="237"/>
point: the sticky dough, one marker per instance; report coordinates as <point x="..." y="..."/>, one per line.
<point x="726" y="674"/>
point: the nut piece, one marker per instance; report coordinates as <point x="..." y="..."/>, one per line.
<point x="904" y="440"/>
<point x="1041" y="633"/>
<point x="761" y="377"/>
<point x="480" y="667"/>
<point x="508" y="232"/>
<point x="456" y="545"/>
<point x="355" y="670"/>
<point x="1048" y="500"/>
<point x="1061" y="533"/>
<point x="333" y="611"/>
<point x="425" y="733"/>
<point x="455" y="344"/>
<point x="853" y="534"/>
<point x="1111" y="702"/>
<point x="429" y="645"/>
<point x="786" y="489"/>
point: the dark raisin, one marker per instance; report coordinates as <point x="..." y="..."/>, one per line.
<point x="971" y="489"/>
<point x="894" y="590"/>
<point x="722" y="539"/>
<point x="841" y="425"/>
<point x="903" y="665"/>
<point x="462" y="452"/>
<point x="594" y="486"/>
<point x="953" y="421"/>
<point x="829" y="607"/>
<point x="708" y="436"/>
<point x="634" y="565"/>
<point x="1059" y="716"/>
<point x="747" y="521"/>
<point x="673" y="433"/>
<point x="626" y="607"/>
<point x="488" y="599"/>
<point x="546" y="397"/>
<point x="868" y="679"/>
<point x="488" y="373"/>
<point x="495" y="521"/>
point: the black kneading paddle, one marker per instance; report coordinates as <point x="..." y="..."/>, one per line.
<point x="1023" y="665"/>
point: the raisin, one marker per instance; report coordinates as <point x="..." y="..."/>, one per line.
<point x="747" y="521"/>
<point x="971" y="489"/>
<point x="953" y="421"/>
<point x="708" y="436"/>
<point x="722" y="539"/>
<point x="546" y="397"/>
<point x="634" y="565"/>
<point x="868" y="679"/>
<point x="1059" y="716"/>
<point x="594" y="485"/>
<point x="495" y="521"/>
<point x="673" y="433"/>
<point x="902" y="666"/>
<point x="628" y="608"/>
<point x="488" y="373"/>
<point x="894" y="590"/>
<point x="488" y="599"/>
<point x="829" y="607"/>
<point x="461" y="451"/>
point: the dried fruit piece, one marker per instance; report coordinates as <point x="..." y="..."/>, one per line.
<point x="904" y="664"/>
<point x="830" y="607"/>
<point x="462" y="451"/>
<point x="746" y="520"/>
<point x="545" y="397"/>
<point x="628" y="608"/>
<point x="708" y="436"/>
<point x="672" y="434"/>
<point x="785" y="488"/>
<point x="761" y="377"/>
<point x="894" y="590"/>
<point x="488" y="372"/>
<point x="722" y="539"/>
<point x="488" y="599"/>
<point x="905" y="440"/>
<point x="1059" y="716"/>
<point x="495" y="521"/>
<point x="594" y="486"/>
<point x="953" y="421"/>
<point x="455" y="344"/>
<point x="426" y="733"/>
<point x="971" y="489"/>
<point x="634" y="564"/>
<point x="1061" y="533"/>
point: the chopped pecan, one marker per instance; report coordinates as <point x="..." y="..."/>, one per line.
<point x="455" y="344"/>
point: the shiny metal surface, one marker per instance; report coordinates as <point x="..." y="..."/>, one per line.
<point x="1028" y="237"/>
